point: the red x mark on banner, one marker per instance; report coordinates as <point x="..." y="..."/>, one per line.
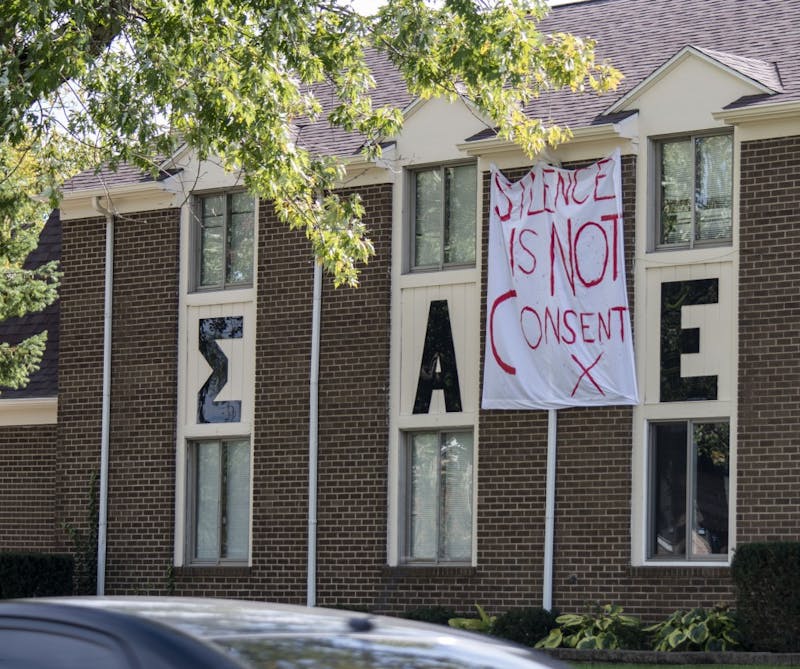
<point x="586" y="373"/>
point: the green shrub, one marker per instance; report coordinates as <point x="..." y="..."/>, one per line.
<point x="697" y="629"/>
<point x="35" y="575"/>
<point x="767" y="580"/>
<point x="483" y="623"/>
<point x="439" y="615"/>
<point x="84" y="542"/>
<point x="602" y="628"/>
<point x="525" y="626"/>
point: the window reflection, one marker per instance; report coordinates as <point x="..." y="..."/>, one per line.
<point x="710" y="522"/>
<point x="689" y="470"/>
<point x="440" y="497"/>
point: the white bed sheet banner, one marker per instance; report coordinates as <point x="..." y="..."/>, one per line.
<point x="558" y="330"/>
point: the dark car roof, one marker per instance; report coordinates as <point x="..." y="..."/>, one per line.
<point x="265" y="633"/>
<point x="41" y="633"/>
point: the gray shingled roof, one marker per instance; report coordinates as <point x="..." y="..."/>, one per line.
<point x="759" y="39"/>
<point x="758" y="70"/>
<point x="639" y="36"/>
<point x="123" y="175"/>
<point x="43" y="383"/>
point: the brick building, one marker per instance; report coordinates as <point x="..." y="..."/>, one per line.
<point x="209" y="427"/>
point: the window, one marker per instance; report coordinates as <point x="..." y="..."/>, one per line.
<point x="689" y="478"/>
<point x="219" y="508"/>
<point x="444" y="203"/>
<point x="439" y="484"/>
<point x="226" y="223"/>
<point x="695" y="193"/>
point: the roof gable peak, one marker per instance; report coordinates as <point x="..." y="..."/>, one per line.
<point x="763" y="76"/>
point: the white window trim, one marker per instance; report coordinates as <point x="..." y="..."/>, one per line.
<point x="641" y="483"/>
<point x="184" y="432"/>
<point x="402" y="280"/>
<point x="723" y="559"/>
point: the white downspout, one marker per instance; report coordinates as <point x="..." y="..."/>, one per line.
<point x="102" y="524"/>
<point x="550" y="511"/>
<point x="313" y="429"/>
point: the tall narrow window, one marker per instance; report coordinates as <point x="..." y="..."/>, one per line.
<point x="690" y="468"/>
<point x="219" y="522"/>
<point x="695" y="190"/>
<point x="439" y="476"/>
<point x="445" y="212"/>
<point x="226" y="223"/>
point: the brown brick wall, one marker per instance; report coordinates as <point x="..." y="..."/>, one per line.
<point x="27" y="488"/>
<point x="353" y="427"/>
<point x="768" y="445"/>
<point x="594" y="473"/>
<point x="80" y="366"/>
<point x="354" y="422"/>
<point x="143" y="402"/>
<point x="143" y="407"/>
<point x="280" y="450"/>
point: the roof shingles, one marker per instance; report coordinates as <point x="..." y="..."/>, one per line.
<point x="638" y="36"/>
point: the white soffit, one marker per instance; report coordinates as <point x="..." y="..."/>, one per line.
<point x="744" y="69"/>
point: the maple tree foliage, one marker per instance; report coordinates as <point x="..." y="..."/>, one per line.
<point x="88" y="82"/>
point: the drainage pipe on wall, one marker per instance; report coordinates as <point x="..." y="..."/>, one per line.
<point x="550" y="512"/>
<point x="102" y="524"/>
<point x="313" y="430"/>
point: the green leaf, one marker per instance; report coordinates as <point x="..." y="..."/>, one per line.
<point x="552" y="640"/>
<point x="484" y="617"/>
<point x="570" y="620"/>
<point x="235" y="79"/>
<point x="676" y="638"/>
<point x="698" y="633"/>
<point x="606" y="641"/>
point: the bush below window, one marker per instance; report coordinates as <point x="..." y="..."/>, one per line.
<point x="698" y="629"/>
<point x="767" y="580"/>
<point x="439" y="615"/>
<point x="35" y="575"/>
<point x="525" y="626"/>
<point x="603" y="628"/>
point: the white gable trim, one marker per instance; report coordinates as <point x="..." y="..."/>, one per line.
<point x="763" y="112"/>
<point x="687" y="52"/>
<point x="627" y="128"/>
<point x="29" y="411"/>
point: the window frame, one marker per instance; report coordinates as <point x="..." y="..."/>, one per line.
<point x="657" y="145"/>
<point x="411" y="226"/>
<point x="197" y="240"/>
<point x="406" y="504"/>
<point x="689" y="499"/>
<point x="191" y="502"/>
